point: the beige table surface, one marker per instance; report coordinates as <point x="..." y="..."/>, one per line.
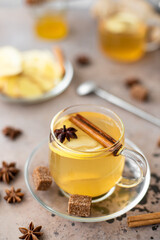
<point x="16" y="30"/>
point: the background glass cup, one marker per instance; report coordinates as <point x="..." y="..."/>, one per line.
<point x="92" y="173"/>
<point x="125" y="37"/>
<point x="51" y="19"/>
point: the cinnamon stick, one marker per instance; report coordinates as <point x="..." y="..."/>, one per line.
<point x="60" y="58"/>
<point x="95" y="132"/>
<point x="144" y="219"/>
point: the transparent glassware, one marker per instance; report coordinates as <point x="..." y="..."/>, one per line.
<point x="50" y="19"/>
<point x="121" y="201"/>
<point x="127" y="29"/>
<point x="125" y="194"/>
<point x="92" y="172"/>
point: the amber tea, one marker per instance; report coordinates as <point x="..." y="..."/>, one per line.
<point x="123" y="36"/>
<point x="81" y="167"/>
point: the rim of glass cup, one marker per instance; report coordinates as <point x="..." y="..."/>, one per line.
<point x="63" y="147"/>
<point x="56" y="5"/>
<point x="87" y="219"/>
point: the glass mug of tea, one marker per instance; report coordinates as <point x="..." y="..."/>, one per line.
<point x="125" y="37"/>
<point x="87" y="152"/>
<point x="127" y="29"/>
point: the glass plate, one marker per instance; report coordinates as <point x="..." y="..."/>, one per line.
<point x="118" y="203"/>
<point x="64" y="83"/>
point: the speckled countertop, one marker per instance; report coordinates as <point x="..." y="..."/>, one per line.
<point x="16" y="29"/>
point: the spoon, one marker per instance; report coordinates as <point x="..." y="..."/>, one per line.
<point x="90" y="87"/>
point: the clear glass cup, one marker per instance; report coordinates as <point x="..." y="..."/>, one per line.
<point x="50" y="19"/>
<point x="93" y="173"/>
<point x="127" y="29"/>
<point x="123" y="37"/>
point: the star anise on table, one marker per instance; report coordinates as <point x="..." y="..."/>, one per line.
<point x="11" y="132"/>
<point x="13" y="196"/>
<point x="8" y="171"/>
<point x="31" y="233"/>
<point x="65" y="133"/>
<point x="83" y="60"/>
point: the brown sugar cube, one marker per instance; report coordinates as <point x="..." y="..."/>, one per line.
<point x="139" y="92"/>
<point x="79" y="205"/>
<point x="129" y="82"/>
<point x="42" y="178"/>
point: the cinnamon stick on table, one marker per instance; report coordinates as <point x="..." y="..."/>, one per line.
<point x="95" y="132"/>
<point x="144" y="219"/>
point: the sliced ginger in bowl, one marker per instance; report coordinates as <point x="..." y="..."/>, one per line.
<point x="20" y="86"/>
<point x="40" y="73"/>
<point x="10" y="61"/>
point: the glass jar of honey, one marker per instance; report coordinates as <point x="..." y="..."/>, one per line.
<point x="51" y="19"/>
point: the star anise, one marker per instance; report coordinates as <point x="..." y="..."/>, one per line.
<point x="31" y="233"/>
<point x="64" y="132"/>
<point x="13" y="196"/>
<point x="8" y="171"/>
<point x="83" y="60"/>
<point x="131" y="81"/>
<point x="11" y="132"/>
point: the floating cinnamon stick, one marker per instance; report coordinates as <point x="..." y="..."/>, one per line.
<point x="95" y="132"/>
<point x="144" y="219"/>
<point x="60" y="58"/>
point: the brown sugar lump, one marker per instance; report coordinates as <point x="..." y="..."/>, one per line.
<point x="139" y="92"/>
<point x="79" y="205"/>
<point x="42" y="178"/>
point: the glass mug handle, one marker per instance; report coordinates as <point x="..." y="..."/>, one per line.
<point x="154" y="44"/>
<point x="141" y="163"/>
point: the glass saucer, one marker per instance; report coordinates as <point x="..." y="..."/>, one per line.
<point x="57" y="90"/>
<point x="118" y="203"/>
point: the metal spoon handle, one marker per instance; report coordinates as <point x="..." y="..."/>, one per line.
<point x="127" y="106"/>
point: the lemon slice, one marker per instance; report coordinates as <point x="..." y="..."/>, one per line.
<point x="10" y="61"/>
<point x="70" y="154"/>
<point x="122" y="22"/>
